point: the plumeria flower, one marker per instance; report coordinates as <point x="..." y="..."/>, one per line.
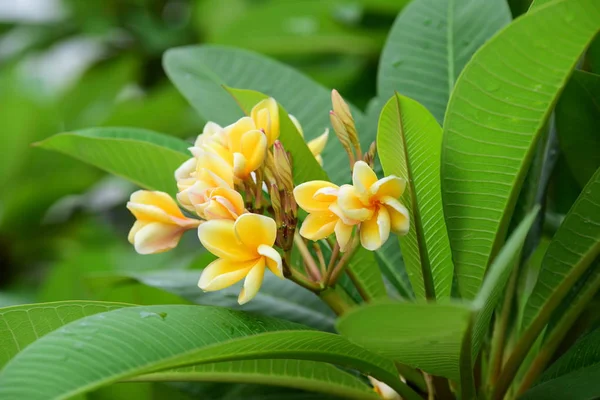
<point x="265" y="115"/>
<point x="319" y="199"/>
<point x="210" y="172"/>
<point x="245" y="249"/>
<point x="375" y="203"/>
<point x="211" y="132"/>
<point x="316" y="145"/>
<point x="215" y="203"/>
<point x="159" y="222"/>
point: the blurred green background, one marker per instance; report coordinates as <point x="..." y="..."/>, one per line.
<point x="70" y="64"/>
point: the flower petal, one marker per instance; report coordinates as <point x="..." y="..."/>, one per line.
<point x="210" y="162"/>
<point x="266" y="116"/>
<point x="273" y="259"/>
<point x="156" y="237"/>
<point x="253" y="230"/>
<point x="343" y="234"/>
<point x="351" y="205"/>
<point x="157" y="199"/>
<point x="317" y="145"/>
<point x="363" y="177"/>
<point x="375" y="231"/>
<point x="253" y="282"/>
<point x="222" y="273"/>
<point x="236" y="131"/>
<point x="186" y="169"/>
<point x="399" y="215"/>
<point x="390" y="186"/>
<point x="318" y="225"/>
<point x="218" y="237"/>
<point x="315" y="196"/>
<point x="297" y="124"/>
<point x="137" y="225"/>
<point x="254" y="148"/>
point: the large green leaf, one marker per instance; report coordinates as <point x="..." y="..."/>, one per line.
<point x="425" y="336"/>
<point x="124" y="343"/>
<point x="277" y="297"/>
<point x="409" y="142"/>
<point x="494" y="117"/>
<point x="575" y="246"/>
<point x="577" y="116"/>
<point x="305" y="167"/>
<point x="364" y="269"/>
<point x="429" y="45"/>
<point x="200" y="72"/>
<point x="392" y="267"/>
<point x="23" y="324"/>
<point x="308" y="375"/>
<point x="146" y="158"/>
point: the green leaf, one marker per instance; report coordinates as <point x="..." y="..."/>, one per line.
<point x="277" y="298"/>
<point x="577" y="116"/>
<point x="409" y="143"/>
<point x="305" y="167"/>
<point x="307" y="375"/>
<point x="393" y="268"/>
<point x="494" y="117"/>
<point x="364" y="270"/>
<point x="146" y="158"/>
<point x="23" y="324"/>
<point x="124" y="343"/>
<point x="575" y="246"/>
<point x="425" y="336"/>
<point x="200" y="72"/>
<point x="429" y="45"/>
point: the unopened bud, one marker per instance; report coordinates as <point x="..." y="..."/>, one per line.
<point x="283" y="167"/>
<point x="342" y="110"/>
<point x="276" y="203"/>
<point x="369" y="157"/>
<point x="342" y="135"/>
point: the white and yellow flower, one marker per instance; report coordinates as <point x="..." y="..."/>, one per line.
<point x="319" y="199"/>
<point x="316" y="145"/>
<point x="215" y="202"/>
<point x="245" y="249"/>
<point x="375" y="204"/>
<point x="159" y="222"/>
<point x="265" y="115"/>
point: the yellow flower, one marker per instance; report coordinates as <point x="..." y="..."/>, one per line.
<point x="245" y="249"/>
<point x="265" y="115"/>
<point x="210" y="172"/>
<point x="375" y="203"/>
<point x="319" y="199"/>
<point x="211" y="132"/>
<point x="215" y="203"/>
<point x="160" y="223"/>
<point x="316" y="145"/>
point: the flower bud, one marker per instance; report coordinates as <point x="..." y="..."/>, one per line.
<point x="342" y="135"/>
<point x="341" y="109"/>
<point x="283" y="167"/>
<point x="369" y="157"/>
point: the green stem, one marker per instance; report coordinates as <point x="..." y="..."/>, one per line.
<point x="338" y="301"/>
<point x="307" y="257"/>
<point x="558" y="334"/>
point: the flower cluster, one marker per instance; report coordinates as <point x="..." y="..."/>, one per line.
<point x="239" y="182"/>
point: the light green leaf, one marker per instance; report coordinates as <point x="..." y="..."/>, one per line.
<point x="146" y="158"/>
<point x="200" y="72"/>
<point x="409" y="143"/>
<point x="577" y="116"/>
<point x="305" y="167"/>
<point x="575" y="246"/>
<point x="425" y="336"/>
<point x="494" y="117"/>
<point x="277" y="297"/>
<point x="124" y="343"/>
<point x="23" y="324"/>
<point x="307" y="375"/>
<point x="393" y="268"/>
<point x="364" y="270"/>
<point x="429" y="45"/>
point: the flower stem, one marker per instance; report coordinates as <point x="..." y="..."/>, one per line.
<point x="320" y="257"/>
<point x="339" y="267"/>
<point x="338" y="300"/>
<point x="307" y="257"/>
<point x="334" y="256"/>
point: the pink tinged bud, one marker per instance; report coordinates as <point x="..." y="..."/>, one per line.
<point x="283" y="167"/>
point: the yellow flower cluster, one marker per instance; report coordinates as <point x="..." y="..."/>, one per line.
<point x="224" y="160"/>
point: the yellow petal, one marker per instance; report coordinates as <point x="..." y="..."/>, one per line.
<point x="240" y="166"/>
<point x="390" y="186"/>
<point x="315" y="196"/>
<point x="222" y="203"/>
<point x="319" y="159"/>
<point x="253" y="282"/>
<point x="222" y="273"/>
<point x="137" y="225"/>
<point x="399" y="216"/>
<point x="318" y="225"/>
<point x="363" y="177"/>
<point x="375" y="231"/>
<point x="253" y="230"/>
<point x="266" y="116"/>
<point x="210" y="164"/>
<point x="160" y="200"/>
<point x="215" y="147"/>
<point x="317" y="145"/>
<point x="194" y="195"/>
<point x="186" y="169"/>
<point x="273" y="259"/>
<point x="351" y="204"/>
<point x="211" y="131"/>
<point x="297" y="124"/>
<point x="218" y="237"/>
<point x="236" y="131"/>
<point x="343" y="234"/>
<point x="156" y="237"/>
<point x="254" y="148"/>
<point x="336" y="209"/>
